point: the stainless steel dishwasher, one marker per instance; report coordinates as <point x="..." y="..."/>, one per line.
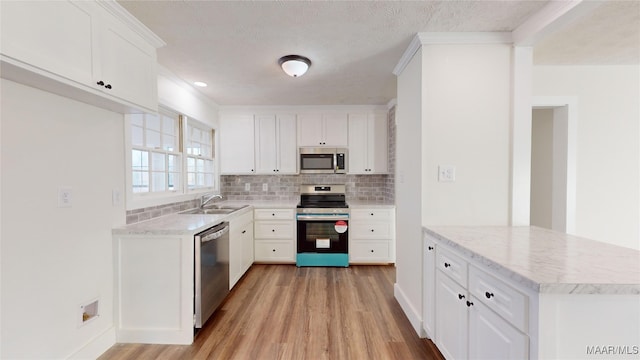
<point x="211" y="271"/>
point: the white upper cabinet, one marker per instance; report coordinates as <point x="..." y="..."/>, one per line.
<point x="275" y="144"/>
<point x="237" y="144"/>
<point x="368" y="145"/>
<point x="82" y="51"/>
<point x="323" y="129"/>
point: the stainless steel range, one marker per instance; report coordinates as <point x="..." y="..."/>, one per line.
<point x="323" y="226"/>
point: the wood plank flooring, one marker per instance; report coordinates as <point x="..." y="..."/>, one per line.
<point x="285" y="312"/>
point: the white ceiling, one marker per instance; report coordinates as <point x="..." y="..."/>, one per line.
<point x="234" y="46"/>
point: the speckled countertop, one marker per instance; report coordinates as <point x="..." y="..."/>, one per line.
<point x="547" y="261"/>
<point x="189" y="224"/>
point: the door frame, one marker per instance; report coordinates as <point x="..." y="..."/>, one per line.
<point x="571" y="104"/>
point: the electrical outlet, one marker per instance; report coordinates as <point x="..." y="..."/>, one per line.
<point x="115" y="197"/>
<point x="265" y="187"/>
<point x="65" y="197"/>
<point x="446" y="173"/>
<point x="247" y="187"/>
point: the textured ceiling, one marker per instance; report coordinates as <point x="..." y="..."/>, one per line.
<point x="234" y="46"/>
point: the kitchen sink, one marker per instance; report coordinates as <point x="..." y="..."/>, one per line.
<point x="214" y="210"/>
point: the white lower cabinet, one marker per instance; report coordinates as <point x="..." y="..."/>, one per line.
<point x="372" y="235"/>
<point x="275" y="233"/>
<point x="240" y="246"/>
<point x="429" y="287"/>
<point x="477" y="316"/>
<point x="451" y="318"/>
<point x="491" y="337"/>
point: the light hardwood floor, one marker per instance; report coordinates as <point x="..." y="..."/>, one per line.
<point x="285" y="312"/>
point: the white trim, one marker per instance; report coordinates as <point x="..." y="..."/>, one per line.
<point x="449" y="38"/>
<point x="97" y="346"/>
<point x="406" y="57"/>
<point x="522" y="69"/>
<point x="551" y="18"/>
<point x="412" y="314"/>
<point x="393" y="102"/>
<point x="166" y="73"/>
<point x="132" y="22"/>
<point x="571" y="102"/>
<point x="297" y="109"/>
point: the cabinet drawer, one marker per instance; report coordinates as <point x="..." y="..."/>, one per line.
<point x="273" y="214"/>
<point x="372" y="214"/>
<point x="274" y="251"/>
<point x="500" y="297"/>
<point x="273" y="229"/>
<point x="370" y="230"/>
<point x="452" y="265"/>
<point x="369" y="251"/>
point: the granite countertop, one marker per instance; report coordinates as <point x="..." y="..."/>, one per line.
<point x="189" y="224"/>
<point x="547" y="261"/>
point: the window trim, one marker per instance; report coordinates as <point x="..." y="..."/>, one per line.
<point x="147" y="199"/>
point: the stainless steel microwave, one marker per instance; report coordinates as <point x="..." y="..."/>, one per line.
<point x="320" y="160"/>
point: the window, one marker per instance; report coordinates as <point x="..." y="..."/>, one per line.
<point x="169" y="155"/>
<point x="155" y="155"/>
<point x="200" y="161"/>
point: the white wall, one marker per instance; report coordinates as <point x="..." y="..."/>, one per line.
<point x="408" y="191"/>
<point x="608" y="147"/>
<point x="466" y="122"/>
<point x="55" y="259"/>
<point x="542" y="167"/>
<point x="181" y="97"/>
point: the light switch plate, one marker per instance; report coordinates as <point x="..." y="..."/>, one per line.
<point x="446" y="173"/>
<point x="265" y="187"/>
<point x="65" y="197"/>
<point x="247" y="186"/>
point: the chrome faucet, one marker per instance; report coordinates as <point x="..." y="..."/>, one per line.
<point x="207" y="198"/>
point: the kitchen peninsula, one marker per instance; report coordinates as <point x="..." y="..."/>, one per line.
<point x="528" y="292"/>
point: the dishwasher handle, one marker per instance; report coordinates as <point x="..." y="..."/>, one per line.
<point x="214" y="235"/>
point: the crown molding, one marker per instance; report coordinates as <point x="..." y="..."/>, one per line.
<point x="449" y="38"/>
<point x="132" y="22"/>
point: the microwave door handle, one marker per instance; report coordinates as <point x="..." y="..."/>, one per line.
<point x="335" y="162"/>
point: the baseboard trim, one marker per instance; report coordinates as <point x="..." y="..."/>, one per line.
<point x="410" y="312"/>
<point x="96" y="347"/>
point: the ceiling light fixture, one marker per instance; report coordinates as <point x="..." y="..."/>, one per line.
<point x="294" y="65"/>
<point x="200" y="84"/>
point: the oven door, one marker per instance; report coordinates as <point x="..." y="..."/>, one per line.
<point x="323" y="233"/>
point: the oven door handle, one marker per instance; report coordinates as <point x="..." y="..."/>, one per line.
<point x="322" y="217"/>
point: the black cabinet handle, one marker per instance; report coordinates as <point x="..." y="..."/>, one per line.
<point x="460" y="296"/>
<point x="371" y="230"/>
<point x="273" y="214"/>
<point x="273" y="230"/>
<point x="371" y="214"/>
<point x="274" y="250"/>
<point x="469" y="303"/>
<point x="488" y="295"/>
<point x="430" y="248"/>
<point x="447" y="265"/>
<point x="101" y="83"/>
<point x="371" y="250"/>
<point x="108" y="86"/>
<point x="244" y="231"/>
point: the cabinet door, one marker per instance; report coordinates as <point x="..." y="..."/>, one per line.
<point x="247" y="246"/>
<point x="491" y="337"/>
<point x="429" y="287"/>
<point x="235" y="256"/>
<point x="310" y="130"/>
<point x="265" y="145"/>
<point x="335" y="129"/>
<point x="236" y="145"/>
<point x="60" y="44"/>
<point x="451" y="318"/>
<point x="287" y="144"/>
<point x="377" y="144"/>
<point x="358" y="144"/>
<point x="127" y="64"/>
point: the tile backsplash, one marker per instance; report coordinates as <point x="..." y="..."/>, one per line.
<point x="377" y="188"/>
